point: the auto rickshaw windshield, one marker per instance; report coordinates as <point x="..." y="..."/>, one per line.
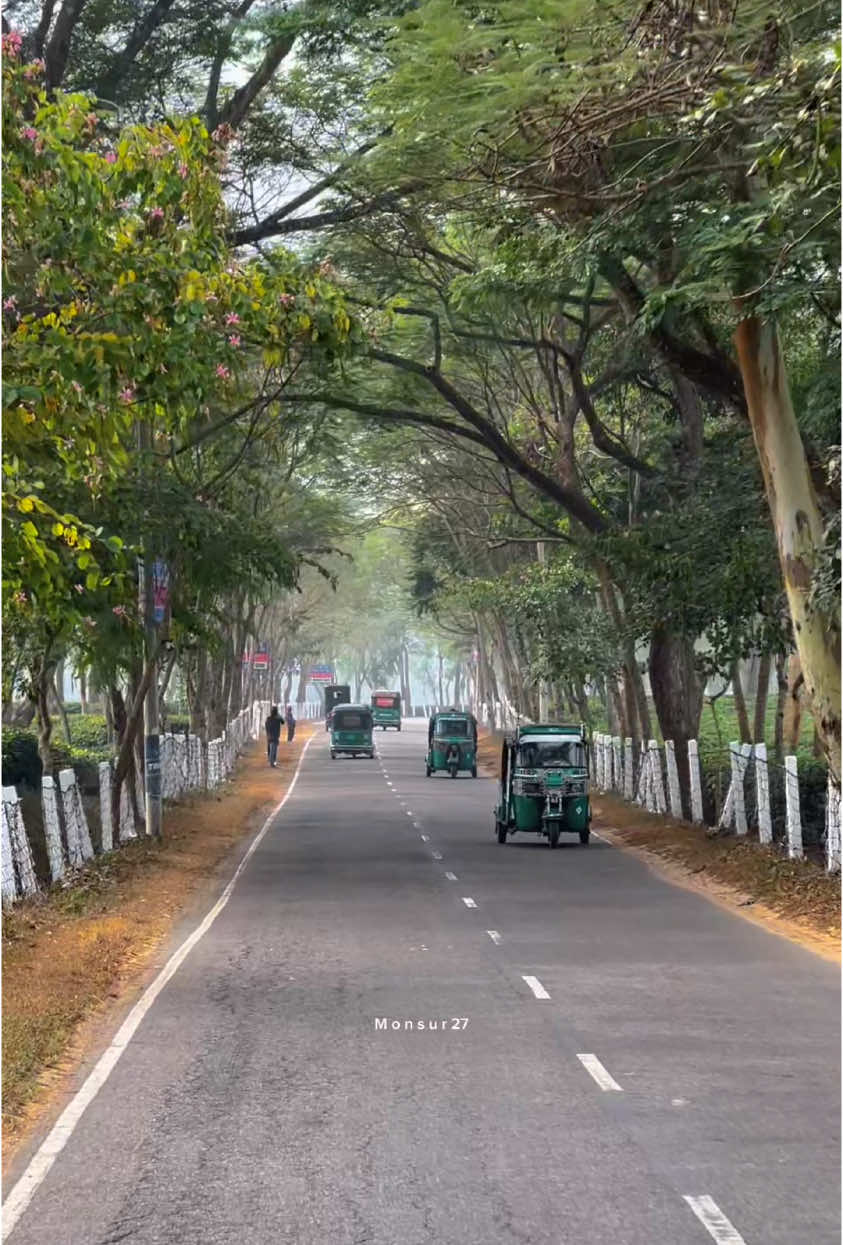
<point x="351" y="720"/>
<point x="546" y="753"/>
<point x="453" y="726"/>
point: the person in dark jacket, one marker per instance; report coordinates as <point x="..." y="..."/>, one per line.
<point x="291" y="724"/>
<point x="272" y="727"/>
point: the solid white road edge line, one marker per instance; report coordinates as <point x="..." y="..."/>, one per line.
<point x="536" y="987"/>
<point x="494" y="935"/>
<point x="468" y="901"/>
<point x="595" y="1069"/>
<point x="714" y="1221"/>
<point x="22" y="1193"/>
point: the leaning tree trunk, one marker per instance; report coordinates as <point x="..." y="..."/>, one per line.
<point x="781" y="701"/>
<point x="796" y="519"/>
<point x="762" y="693"/>
<point x="740" y="703"/>
<point x="42" y="680"/>
<point x="678" y="696"/>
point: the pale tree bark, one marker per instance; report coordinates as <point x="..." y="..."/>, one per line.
<point x="797" y="522"/>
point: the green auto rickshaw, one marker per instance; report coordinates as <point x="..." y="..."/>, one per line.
<point x="386" y="709"/>
<point x="544" y="783"/>
<point x="451" y="743"/>
<point x="351" y="731"/>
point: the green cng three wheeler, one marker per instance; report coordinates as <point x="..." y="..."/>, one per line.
<point x="451" y="743"/>
<point x="544" y="783"/>
<point x="351" y="731"/>
<point x="386" y="709"/>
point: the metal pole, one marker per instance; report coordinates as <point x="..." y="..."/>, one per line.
<point x="151" y="711"/>
<point x="542" y="684"/>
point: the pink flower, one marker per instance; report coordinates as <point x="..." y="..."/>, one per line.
<point x="183" y="171"/>
<point x="29" y="133"/>
<point x="20" y="598"/>
<point x="123" y="204"/>
<point x="79" y="587"/>
<point x="287" y="300"/>
<point x="89" y="622"/>
<point x="110" y="157"/>
<point x="10" y="303"/>
<point x="222" y="371"/>
<point x="234" y="339"/>
<point x="157" y="213"/>
<point x="77" y="388"/>
<point x="232" y="318"/>
<point x="127" y="394"/>
<point x="119" y="611"/>
<point x="12" y="43"/>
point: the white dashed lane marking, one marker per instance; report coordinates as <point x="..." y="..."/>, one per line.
<point x="494" y="935"/>
<point x="536" y="987"/>
<point x="714" y="1221"/>
<point x="452" y="877"/>
<point x="595" y="1069"/>
<point x="468" y="901"/>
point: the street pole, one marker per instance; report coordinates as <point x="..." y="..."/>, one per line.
<point x="151" y="709"/>
<point x="542" y="684"/>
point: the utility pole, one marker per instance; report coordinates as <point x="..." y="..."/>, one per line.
<point x="151" y="710"/>
<point x="542" y="684"/>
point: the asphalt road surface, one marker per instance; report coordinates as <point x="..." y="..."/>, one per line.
<point x="605" y="1060"/>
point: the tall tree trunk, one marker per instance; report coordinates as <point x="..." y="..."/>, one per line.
<point x="440" y="690"/>
<point x="56" y="681"/>
<point x="678" y="696"/>
<point x="41" y="682"/>
<point x="83" y="692"/>
<point x="781" y="700"/>
<point x="458" y="684"/>
<point x="761" y="697"/>
<point x="740" y="703"/>
<point x="796" y="519"/>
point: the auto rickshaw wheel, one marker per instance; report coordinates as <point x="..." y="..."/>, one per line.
<point x="399" y="726"/>
<point x="501" y="829"/>
<point x="427" y="771"/>
<point x="333" y="755"/>
<point x="585" y="835"/>
<point x="553" y="836"/>
<point x="474" y="771"/>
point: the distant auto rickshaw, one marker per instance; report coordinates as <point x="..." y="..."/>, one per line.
<point x="351" y="731"/>
<point x="544" y="783"/>
<point x="335" y="694"/>
<point x="451" y="743"/>
<point x="386" y="709"/>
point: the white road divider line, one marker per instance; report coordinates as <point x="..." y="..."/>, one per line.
<point x="425" y="838"/>
<point x="536" y="987"/>
<point x="714" y="1221"/>
<point x="452" y="877"/>
<point x="437" y="855"/>
<point x="22" y="1193"/>
<point x="468" y="901"/>
<point x="494" y="935"/>
<point x="595" y="1069"/>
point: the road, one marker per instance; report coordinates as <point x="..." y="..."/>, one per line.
<point x="678" y="1084"/>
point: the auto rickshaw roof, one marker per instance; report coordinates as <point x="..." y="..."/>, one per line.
<point x="352" y="708"/>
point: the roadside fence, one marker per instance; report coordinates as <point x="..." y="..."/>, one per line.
<point x="70" y="812"/>
<point x="755" y="792"/>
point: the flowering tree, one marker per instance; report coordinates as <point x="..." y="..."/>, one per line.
<point x="123" y="309"/>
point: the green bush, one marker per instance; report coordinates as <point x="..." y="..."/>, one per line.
<point x="72" y="706"/>
<point x="176" y="722"/>
<point x="22" y="764"/>
<point x="89" y="731"/>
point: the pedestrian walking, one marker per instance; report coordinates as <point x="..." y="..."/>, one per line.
<point x="272" y="726"/>
<point x="291" y="724"/>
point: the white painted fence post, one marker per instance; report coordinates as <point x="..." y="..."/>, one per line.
<point x="79" y="848"/>
<point x="127" y="816"/>
<point x="696" y="781"/>
<point x="739" y="760"/>
<point x="9" y="888"/>
<point x="762" y="792"/>
<point x="794" y="817"/>
<point x="616" y="765"/>
<point x="628" y="770"/>
<point x="104" y="769"/>
<point x="52" y="828"/>
<point x="657" y="777"/>
<point x="832" y="828"/>
<point x="21" y="854"/>
<point x="641" y="786"/>
<point x="673" y="792"/>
